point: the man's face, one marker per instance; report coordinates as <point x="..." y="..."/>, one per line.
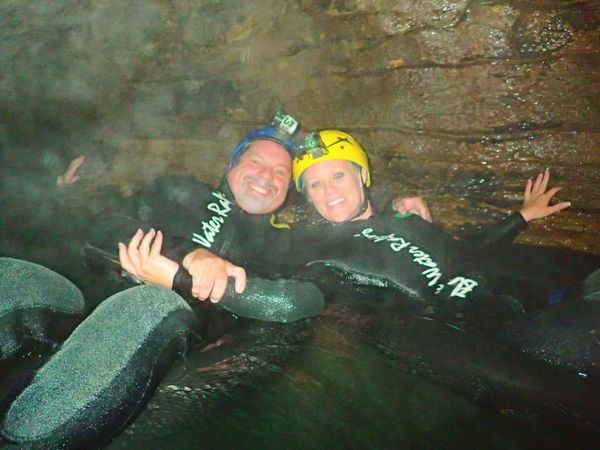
<point x="261" y="178"/>
<point x="335" y="188"/>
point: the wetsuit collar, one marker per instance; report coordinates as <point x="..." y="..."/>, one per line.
<point x="364" y="206"/>
<point x="224" y="187"/>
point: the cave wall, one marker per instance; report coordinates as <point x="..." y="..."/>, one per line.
<point x="457" y="101"/>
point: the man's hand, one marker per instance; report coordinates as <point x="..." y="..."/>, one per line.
<point x="142" y="259"/>
<point x="210" y="273"/>
<point x="536" y="199"/>
<point x="413" y="205"/>
<point x="70" y="176"/>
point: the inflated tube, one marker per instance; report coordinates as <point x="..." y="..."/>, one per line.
<point x="36" y="304"/>
<point x="104" y="372"/>
<point x="263" y="299"/>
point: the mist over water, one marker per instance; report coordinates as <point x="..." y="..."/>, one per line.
<point x="454" y="100"/>
<point x="457" y="101"/>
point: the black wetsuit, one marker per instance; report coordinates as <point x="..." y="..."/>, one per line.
<point x="428" y="265"/>
<point x="523" y="296"/>
<point x="409" y="254"/>
<point x="209" y="218"/>
<point x="191" y="215"/>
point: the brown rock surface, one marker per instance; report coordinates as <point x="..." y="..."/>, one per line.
<point x="457" y="101"/>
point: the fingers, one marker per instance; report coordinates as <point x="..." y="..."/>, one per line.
<point x="144" y="248"/>
<point x="239" y="275"/>
<point x="422" y="212"/>
<point x="212" y="285"/>
<point x="535" y="191"/>
<point x="425" y="213"/>
<point x="218" y="289"/>
<point x="203" y="286"/>
<point x="537" y="184"/>
<point x="560" y="206"/>
<point x="126" y="263"/>
<point x="551" y="193"/>
<point x="541" y="183"/>
<point x="545" y="180"/>
<point x="528" y="187"/>
<point x="76" y="164"/>
<point x="400" y="208"/>
<point x="70" y="176"/>
<point x="204" y="278"/>
<point x="210" y="279"/>
<point x="398" y="204"/>
<point x="413" y="205"/>
<point x="157" y="244"/>
<point x="134" y="255"/>
<point x="132" y="249"/>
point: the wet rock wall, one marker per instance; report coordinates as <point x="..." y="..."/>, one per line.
<point x="457" y="101"/>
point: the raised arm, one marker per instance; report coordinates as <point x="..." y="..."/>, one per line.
<point x="536" y="205"/>
<point x="537" y="196"/>
<point x="143" y="259"/>
<point x="70" y="176"/>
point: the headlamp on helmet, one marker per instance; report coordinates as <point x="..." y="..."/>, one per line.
<point x="324" y="145"/>
<point x="282" y="129"/>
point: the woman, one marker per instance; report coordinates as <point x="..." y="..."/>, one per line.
<point x="415" y="256"/>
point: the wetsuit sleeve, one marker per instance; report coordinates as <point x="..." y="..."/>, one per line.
<point x="269" y="300"/>
<point x="182" y="282"/>
<point x="176" y="248"/>
<point x="502" y="232"/>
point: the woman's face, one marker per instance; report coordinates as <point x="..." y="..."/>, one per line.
<point x="335" y="188"/>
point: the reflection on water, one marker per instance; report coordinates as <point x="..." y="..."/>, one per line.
<point x="339" y="393"/>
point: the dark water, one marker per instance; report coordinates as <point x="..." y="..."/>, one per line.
<point x="340" y="393"/>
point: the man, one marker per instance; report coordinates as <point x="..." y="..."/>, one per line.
<point x="260" y="177"/>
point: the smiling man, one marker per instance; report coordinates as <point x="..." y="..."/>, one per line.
<point x="231" y="223"/>
<point x="260" y="178"/>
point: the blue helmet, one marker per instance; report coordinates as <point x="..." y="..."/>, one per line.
<point x="282" y="129"/>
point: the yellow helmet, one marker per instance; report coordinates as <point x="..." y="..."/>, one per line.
<point x="328" y="144"/>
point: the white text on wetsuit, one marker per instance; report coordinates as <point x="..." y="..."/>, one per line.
<point x="211" y="228"/>
<point x="461" y="285"/>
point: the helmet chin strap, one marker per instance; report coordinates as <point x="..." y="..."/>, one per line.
<point x="363" y="207"/>
<point x="366" y="200"/>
